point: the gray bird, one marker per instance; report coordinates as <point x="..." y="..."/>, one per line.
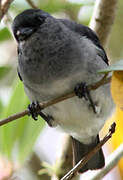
<point x="57" y="56"/>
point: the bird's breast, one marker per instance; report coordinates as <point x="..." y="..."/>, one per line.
<point x="76" y="117"/>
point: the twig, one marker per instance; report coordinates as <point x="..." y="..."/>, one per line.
<point x="111" y="163"/>
<point x="103" y="81"/>
<point x="103" y="18"/>
<point x="83" y="161"/>
<point x="32" y="4"/>
<point x="4" y="7"/>
<point x="94" y="86"/>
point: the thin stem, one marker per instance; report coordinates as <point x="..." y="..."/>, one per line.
<point x="4" y="7"/>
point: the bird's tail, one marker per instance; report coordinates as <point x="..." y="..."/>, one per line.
<point x="80" y="150"/>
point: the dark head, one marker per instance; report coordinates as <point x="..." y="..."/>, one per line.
<point x="26" y="23"/>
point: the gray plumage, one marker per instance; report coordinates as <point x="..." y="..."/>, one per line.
<point x="53" y="56"/>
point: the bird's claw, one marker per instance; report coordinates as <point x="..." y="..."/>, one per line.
<point x="34" y="109"/>
<point x="81" y="90"/>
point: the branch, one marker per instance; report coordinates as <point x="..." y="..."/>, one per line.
<point x="88" y="156"/>
<point x="111" y="163"/>
<point x="32" y="4"/>
<point x="4" y="7"/>
<point x="94" y="86"/>
<point x="103" y="18"/>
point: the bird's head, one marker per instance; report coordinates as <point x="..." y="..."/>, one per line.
<point x="26" y="23"/>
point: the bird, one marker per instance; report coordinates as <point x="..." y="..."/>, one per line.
<point x="55" y="57"/>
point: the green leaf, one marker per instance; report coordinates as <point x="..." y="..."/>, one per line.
<point x="4" y="71"/>
<point x="10" y="131"/>
<point x="21" y="133"/>
<point x="118" y="66"/>
<point x="5" y="34"/>
<point x="28" y="138"/>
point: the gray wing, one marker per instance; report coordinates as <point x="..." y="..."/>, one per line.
<point x="87" y="32"/>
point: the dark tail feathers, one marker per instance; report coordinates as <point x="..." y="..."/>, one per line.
<point x="79" y="151"/>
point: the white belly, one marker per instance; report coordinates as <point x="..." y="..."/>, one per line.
<point x="76" y="117"/>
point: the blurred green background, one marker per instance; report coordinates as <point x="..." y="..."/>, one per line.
<point x="17" y="139"/>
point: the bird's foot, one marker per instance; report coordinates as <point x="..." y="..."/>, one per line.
<point x="35" y="110"/>
<point x="81" y="90"/>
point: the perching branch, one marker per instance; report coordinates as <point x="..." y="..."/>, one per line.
<point x="4" y="7"/>
<point x="88" y="156"/>
<point x="103" y="18"/>
<point x="93" y="86"/>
